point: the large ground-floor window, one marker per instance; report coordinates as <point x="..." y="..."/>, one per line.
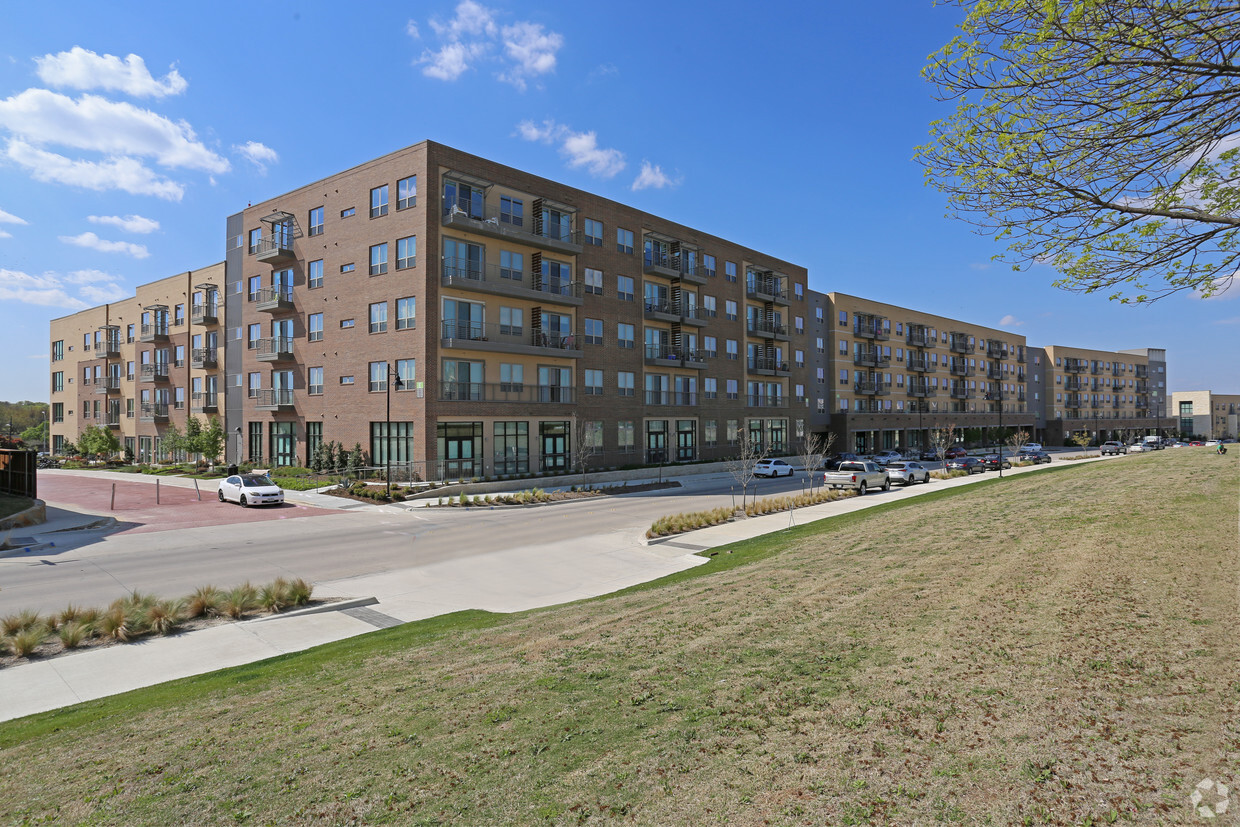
<point x="283" y="443"/>
<point x="314" y="438"/>
<point x="512" y="448"/>
<point x="459" y="447"/>
<point x="398" y="439"/>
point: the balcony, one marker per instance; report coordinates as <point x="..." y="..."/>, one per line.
<point x="661" y="355"/>
<point x="1115" y="403"/>
<point x="919" y="337"/>
<point x="961" y="368"/>
<point x="765" y="366"/>
<point x="277" y="249"/>
<point x="154" y="412"/>
<point x="153" y="333"/>
<point x="511" y="392"/>
<point x="767" y="330"/>
<point x="922" y="365"/>
<point x="995" y="350"/>
<point x="1143" y="385"/>
<point x="1073" y="366"/>
<point x="157" y="372"/>
<point x="204" y="402"/>
<point x="961" y="344"/>
<point x="113" y="420"/>
<point x="1095" y="403"/>
<point x="994" y="371"/>
<point x="676" y="398"/>
<point x="273" y="299"/>
<point x="921" y="391"/>
<point x="502" y="281"/>
<point x="274" y="349"/>
<point x="1117" y="369"/>
<point x="501" y="338"/>
<point x="273" y="399"/>
<point x="203" y="358"/>
<point x="693" y="316"/>
<point x="108" y="349"/>
<point x="1096" y="368"/>
<point x="1073" y="401"/>
<point x="1143" y="371"/>
<point x="1020" y="375"/>
<point x="872" y="387"/>
<point x="108" y="384"/>
<point x="472" y="216"/>
<point x="765" y="288"/>
<point x="871" y="330"/>
<point x="870" y="358"/>
<point x="661" y="311"/>
<point x="1020" y="355"/>
<point x="205" y="314"/>
<point x="1075" y="383"/>
<point x="766" y="401"/>
<point x="958" y="392"/>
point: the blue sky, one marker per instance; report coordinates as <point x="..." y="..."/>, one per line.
<point x="127" y="136"/>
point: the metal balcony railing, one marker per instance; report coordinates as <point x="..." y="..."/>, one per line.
<point x="504" y="392"/>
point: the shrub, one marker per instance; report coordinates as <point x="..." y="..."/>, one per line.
<point x="238" y="601"/>
<point x="20" y="622"/>
<point x="69" y="614"/>
<point x="204" y="600"/>
<point x="299" y="592"/>
<point x="116" y="624"/>
<point x="72" y="634"/>
<point x="25" y="641"/>
<point x="274" y="596"/>
<point x="162" y="617"/>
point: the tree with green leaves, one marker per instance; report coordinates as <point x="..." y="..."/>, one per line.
<point x="1100" y="137"/>
<point x="97" y="441"/>
<point x="357" y="459"/>
<point x="193" y="435"/>
<point x="36" y="434"/>
<point x="211" y="439"/>
<point x="171" y="440"/>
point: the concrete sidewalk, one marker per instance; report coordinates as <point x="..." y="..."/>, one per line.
<point x="510" y="580"/>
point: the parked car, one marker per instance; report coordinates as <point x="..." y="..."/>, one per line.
<point x="907" y="473"/>
<point x="990" y="462"/>
<point x="929" y="455"/>
<point x="884" y="457"/>
<point x="955" y="452"/>
<point x="1030" y="446"/>
<point x="1196" y="443"/>
<point x="772" y="468"/>
<point x="972" y="465"/>
<point x="250" y="489"/>
<point x="1035" y="457"/>
<point x="1113" y="447"/>
<point x="858" y="475"/>
<point x="833" y="461"/>
<point x="1139" y="448"/>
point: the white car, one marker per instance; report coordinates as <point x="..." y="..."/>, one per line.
<point x="250" y="489"/>
<point x="1139" y="448"/>
<point x="1030" y="447"/>
<point x="907" y="473"/>
<point x="772" y="468"/>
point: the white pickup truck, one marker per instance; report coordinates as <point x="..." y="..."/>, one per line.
<point x="859" y="476"/>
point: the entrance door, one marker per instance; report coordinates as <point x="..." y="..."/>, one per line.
<point x="554" y="445"/>
<point x="458" y="456"/>
<point x="685" y="447"/>
<point x="656" y="441"/>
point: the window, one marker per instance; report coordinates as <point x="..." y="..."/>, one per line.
<point x="624" y="335"/>
<point x="624" y="241"/>
<point x="729" y="270"/>
<point x="594" y="233"/>
<point x="710" y="347"/>
<point x="511" y="377"/>
<point x="406" y="369"/>
<point x="624" y="288"/>
<point x="731" y="349"/>
<point x="511" y="265"/>
<point x="254" y="383"/>
<point x="314" y="381"/>
<point x="594" y="281"/>
<point x="708" y="306"/>
<point x="178" y="315"/>
<point x="253" y="333"/>
<point x="799" y="358"/>
<point x="798" y="290"/>
<point x="624" y="436"/>
<point x="511" y="321"/>
<point x="346" y="380"/>
<point x="345" y="324"/>
<point x="58" y="411"/>
<point x="624" y="382"/>
<point x="511" y="210"/>
<point x="129" y="330"/>
<point x="731" y="389"/>
<point x="378" y="317"/>
<point x="314" y="327"/>
<point x="58" y="350"/>
<point x="729" y="310"/>
<point x="379" y="201"/>
<point x="129" y="368"/>
<point x="594" y="331"/>
<point x="256" y="238"/>
<point x="708" y="264"/>
<point x="594" y="382"/>
<point x="406" y="252"/>
<point x="843" y="318"/>
<point x="378" y="259"/>
<point x="843" y="347"/>
<point x="314" y="273"/>
<point x="799" y="324"/>
<point x="253" y="285"/>
<point x="378" y="376"/>
<point x="346" y="213"/>
<point x="406" y="310"/>
<point x="179" y="356"/>
<point x="347" y="268"/>
<point x="710" y="387"/>
<point x="316" y="221"/>
<point x="406" y="192"/>
<point x="58" y="381"/>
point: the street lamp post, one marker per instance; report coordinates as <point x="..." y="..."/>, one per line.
<point x="998" y="396"/>
<point x="394" y="378"/>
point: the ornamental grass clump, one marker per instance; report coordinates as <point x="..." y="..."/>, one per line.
<point x="240" y="600"/>
<point x="162" y="617"/>
<point x="73" y="634"/>
<point x="299" y="592"/>
<point x="24" y="642"/>
<point x="116" y="624"/>
<point x="20" y="622"/>
<point x="204" y="601"/>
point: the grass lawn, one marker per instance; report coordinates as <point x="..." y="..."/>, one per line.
<point x="1052" y="648"/>
<point x="10" y="505"/>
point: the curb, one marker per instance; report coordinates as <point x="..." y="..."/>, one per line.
<point x="34" y="515"/>
<point x="338" y="606"/>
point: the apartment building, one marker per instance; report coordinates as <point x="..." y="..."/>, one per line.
<point x="139" y="365"/>
<point x="1206" y="414"/>
<point x="895" y="374"/>
<point x="446" y="311"/>
<point x="1110" y="394"/>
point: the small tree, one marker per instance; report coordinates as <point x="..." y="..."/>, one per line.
<point x="741" y="467"/>
<point x="814" y="448"/>
<point x="172" y="440"/>
<point x="210" y="442"/>
<point x="318" y="462"/>
<point x="357" y="459"/>
<point x="943" y="438"/>
<point x="337" y="457"/>
<point x="1017" y="439"/>
<point x="584" y="445"/>
<point x="98" y="441"/>
<point x="36" y="434"/>
<point x="1082" y="440"/>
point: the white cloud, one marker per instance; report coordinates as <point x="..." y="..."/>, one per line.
<point x="94" y="242"/>
<point x="3" y="234"/>
<point x="526" y="49"/>
<point x="1010" y="321"/>
<point x="109" y="127"/>
<point x="45" y="291"/>
<point x="1232" y="320"/>
<point x="652" y="176"/>
<point x="88" y="277"/>
<point x="104" y="293"/>
<point x="1221" y="288"/>
<point x="580" y="149"/>
<point x="979" y="265"/>
<point x="115" y="173"/>
<point x="9" y="218"/>
<point x="260" y="155"/>
<point x="532" y="51"/>
<point x="130" y="223"/>
<point x="79" y="68"/>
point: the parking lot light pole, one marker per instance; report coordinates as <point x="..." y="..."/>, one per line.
<point x="393" y="377"/>
<point x="998" y="396"/>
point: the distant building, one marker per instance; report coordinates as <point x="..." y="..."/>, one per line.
<point x="1206" y="414"/>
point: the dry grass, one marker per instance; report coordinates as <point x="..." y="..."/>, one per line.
<point x="1063" y="653"/>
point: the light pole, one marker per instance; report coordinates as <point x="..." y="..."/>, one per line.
<point x="998" y="396"/>
<point x="240" y="445"/>
<point x="394" y="378"/>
